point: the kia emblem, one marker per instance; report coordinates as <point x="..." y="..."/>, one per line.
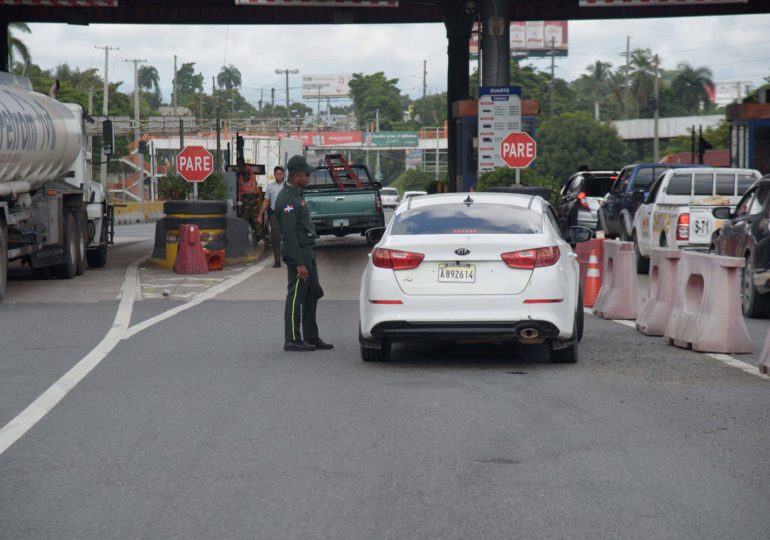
<point x="462" y="251"/>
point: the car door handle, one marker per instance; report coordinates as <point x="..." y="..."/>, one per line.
<point x="339" y="198"/>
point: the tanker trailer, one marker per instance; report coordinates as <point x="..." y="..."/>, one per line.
<point x="52" y="217"/>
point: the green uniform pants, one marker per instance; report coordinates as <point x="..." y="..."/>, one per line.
<point x="275" y="237"/>
<point x="301" y="302"/>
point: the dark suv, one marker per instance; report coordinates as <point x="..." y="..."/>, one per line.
<point x="746" y="235"/>
<point x="581" y="197"/>
<point x="616" y="216"/>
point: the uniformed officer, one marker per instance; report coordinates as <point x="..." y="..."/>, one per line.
<point x="297" y="241"/>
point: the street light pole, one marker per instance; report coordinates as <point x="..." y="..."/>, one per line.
<point x="378" y="172"/>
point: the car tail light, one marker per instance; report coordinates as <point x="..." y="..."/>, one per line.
<point x="529" y="259"/>
<point x="582" y="200"/>
<point x="683" y="227"/>
<point x="396" y="260"/>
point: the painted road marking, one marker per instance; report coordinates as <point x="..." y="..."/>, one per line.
<point x="38" y="409"/>
<point x="726" y="359"/>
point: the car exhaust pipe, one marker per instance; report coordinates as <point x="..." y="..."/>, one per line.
<point x="530" y="335"/>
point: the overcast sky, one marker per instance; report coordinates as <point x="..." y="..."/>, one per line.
<point x="734" y="47"/>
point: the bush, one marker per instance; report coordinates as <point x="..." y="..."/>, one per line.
<point x="507" y="177"/>
<point x="414" y="180"/>
<point x="176" y="188"/>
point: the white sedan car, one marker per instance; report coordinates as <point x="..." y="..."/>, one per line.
<point x="476" y="267"/>
<point x="390" y="197"/>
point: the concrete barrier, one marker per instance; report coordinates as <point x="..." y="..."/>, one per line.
<point x="617" y="297"/>
<point x="707" y="311"/>
<point x="656" y="307"/>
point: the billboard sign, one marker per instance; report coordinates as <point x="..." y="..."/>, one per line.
<point x="327" y="86"/>
<point x="406" y="139"/>
<point x="532" y="38"/>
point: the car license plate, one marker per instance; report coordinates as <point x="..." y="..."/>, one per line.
<point x="340" y="223"/>
<point x="453" y="273"/>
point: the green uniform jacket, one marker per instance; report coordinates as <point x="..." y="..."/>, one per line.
<point x="297" y="230"/>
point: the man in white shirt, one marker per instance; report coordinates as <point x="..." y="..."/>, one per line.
<point x="273" y="189"/>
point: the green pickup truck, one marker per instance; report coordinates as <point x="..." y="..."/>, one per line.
<point x="345" y="207"/>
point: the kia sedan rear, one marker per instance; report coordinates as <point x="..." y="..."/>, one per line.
<point x="477" y="267"/>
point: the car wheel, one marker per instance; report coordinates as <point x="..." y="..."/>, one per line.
<point x="754" y="304"/>
<point x="379" y="354"/>
<point x="580" y="316"/>
<point x="68" y="268"/>
<point x="568" y="354"/>
<point x="642" y="262"/>
<point x="82" y="232"/>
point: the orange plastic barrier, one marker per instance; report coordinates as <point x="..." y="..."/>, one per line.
<point x="190" y="258"/>
<point x="617" y="298"/>
<point x="707" y="310"/>
<point x="215" y="259"/>
<point x="764" y="359"/>
<point x="589" y="257"/>
<point x="656" y="307"/>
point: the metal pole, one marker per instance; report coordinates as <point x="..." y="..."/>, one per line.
<point x="655" y="137"/>
<point x="436" y="175"/>
<point x="553" y="73"/>
<point x="175" y="92"/>
<point x="496" y="43"/>
<point x="318" y="105"/>
<point x="105" y="110"/>
<point x="217" y="163"/>
<point x="424" y="78"/>
<point x="625" y="94"/>
<point x="141" y="181"/>
<point x="378" y="171"/>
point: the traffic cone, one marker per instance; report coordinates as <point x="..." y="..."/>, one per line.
<point x="593" y="282"/>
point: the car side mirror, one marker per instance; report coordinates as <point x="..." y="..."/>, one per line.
<point x="722" y="212"/>
<point x="580" y="234"/>
<point x="373" y="236"/>
<point x="638" y="196"/>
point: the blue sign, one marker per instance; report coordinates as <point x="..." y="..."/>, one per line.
<point x="500" y="91"/>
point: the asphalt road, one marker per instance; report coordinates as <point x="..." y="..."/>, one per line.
<point x="200" y="426"/>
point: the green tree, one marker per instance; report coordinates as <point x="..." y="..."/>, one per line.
<point x="413" y="180"/>
<point x="188" y="85"/>
<point x="718" y="136"/>
<point x="642" y="79"/>
<point x="376" y="92"/>
<point x="571" y="139"/>
<point x="689" y="87"/>
<point x="430" y="111"/>
<point x="149" y="82"/>
<point x="16" y="47"/>
<point x="229" y="77"/>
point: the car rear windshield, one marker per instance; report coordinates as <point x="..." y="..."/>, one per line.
<point x="467" y="219"/>
<point x="599" y="186"/>
<point x="322" y="178"/>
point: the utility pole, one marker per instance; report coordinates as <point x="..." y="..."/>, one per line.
<point x="655" y="138"/>
<point x="318" y="108"/>
<point x="261" y="98"/>
<point x="137" y="131"/>
<point x="628" y="88"/>
<point x="174" y="100"/>
<point x="553" y="72"/>
<point x="287" y="72"/>
<point x="105" y="108"/>
<point x="272" y="101"/>
<point x="424" y="78"/>
<point x="378" y="172"/>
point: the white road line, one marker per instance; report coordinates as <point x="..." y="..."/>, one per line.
<point x="26" y="419"/>
<point x="726" y="359"/>
<point x="36" y="411"/>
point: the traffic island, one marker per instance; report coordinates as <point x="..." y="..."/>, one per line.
<point x="217" y="232"/>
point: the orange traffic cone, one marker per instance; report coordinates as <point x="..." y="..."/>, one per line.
<point x="593" y="282"/>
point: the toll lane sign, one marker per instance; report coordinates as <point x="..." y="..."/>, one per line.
<point x="499" y="115"/>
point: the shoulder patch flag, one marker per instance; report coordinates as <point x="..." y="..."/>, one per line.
<point x="289" y="208"/>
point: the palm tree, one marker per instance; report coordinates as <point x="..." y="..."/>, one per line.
<point x="689" y="86"/>
<point x="599" y="76"/>
<point x="642" y="76"/>
<point x="17" y="46"/>
<point x="229" y="77"/>
<point x="149" y="79"/>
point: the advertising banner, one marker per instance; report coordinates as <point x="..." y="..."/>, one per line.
<point x="331" y="138"/>
<point x="532" y="38"/>
<point x="391" y="138"/>
<point x="331" y="86"/>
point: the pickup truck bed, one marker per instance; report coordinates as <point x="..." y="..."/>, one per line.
<point x="344" y="211"/>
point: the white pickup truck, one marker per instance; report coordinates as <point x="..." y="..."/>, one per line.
<point x="678" y="211"/>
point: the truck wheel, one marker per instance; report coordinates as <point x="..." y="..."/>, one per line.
<point x="3" y="260"/>
<point x="69" y="267"/>
<point x="97" y="258"/>
<point x="82" y="228"/>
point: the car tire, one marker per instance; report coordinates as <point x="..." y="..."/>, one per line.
<point x="580" y="316"/>
<point x="379" y="354"/>
<point x="68" y="268"/>
<point x="642" y="262"/>
<point x="82" y="232"/>
<point x="753" y="304"/>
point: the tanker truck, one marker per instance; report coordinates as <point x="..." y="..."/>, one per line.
<point x="52" y="217"/>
